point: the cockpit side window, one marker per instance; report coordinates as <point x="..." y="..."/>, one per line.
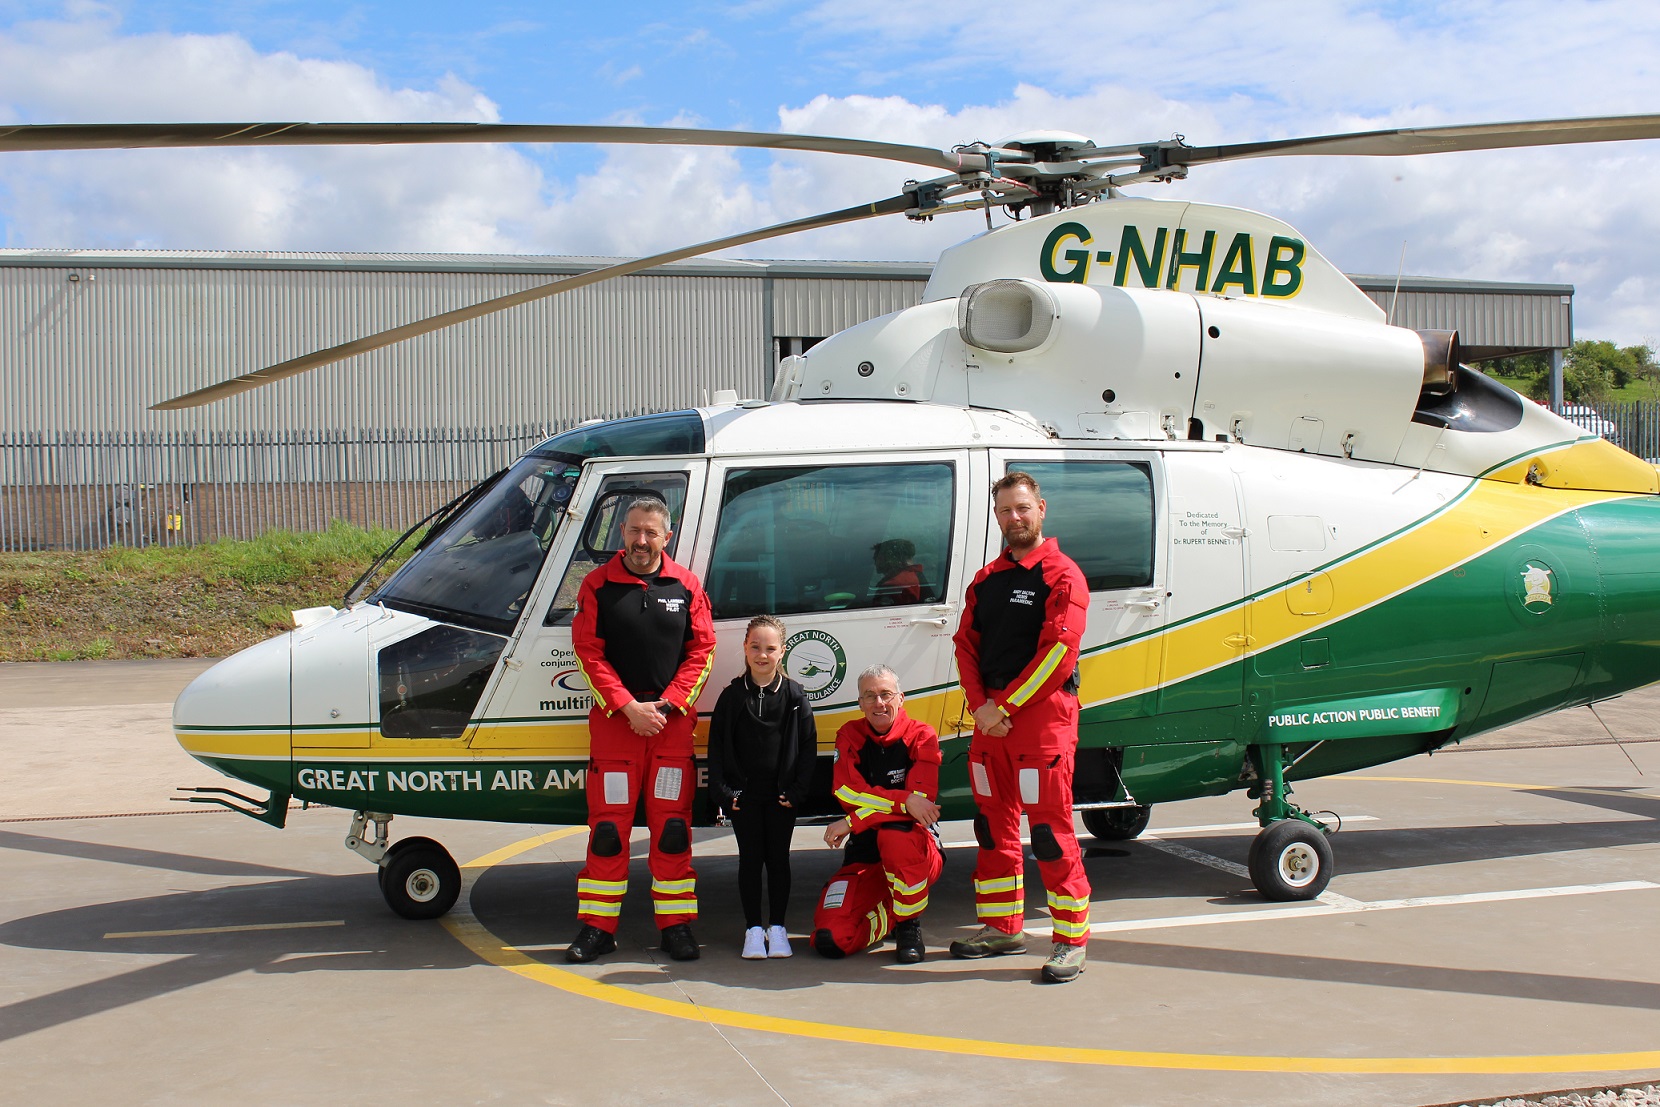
<point x="829" y="537"/>
<point x="478" y="569"/>
<point x="602" y="534"/>
<point x="1101" y="514"/>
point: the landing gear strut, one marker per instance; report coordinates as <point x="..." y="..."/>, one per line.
<point x="1290" y="857"/>
<point x="418" y="877"/>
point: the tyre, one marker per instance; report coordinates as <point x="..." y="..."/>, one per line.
<point x="1117" y="824"/>
<point x="419" y="879"/>
<point x="392" y="851"/>
<point x="1290" y="860"/>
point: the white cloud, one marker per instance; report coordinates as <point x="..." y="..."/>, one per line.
<point x="348" y="198"/>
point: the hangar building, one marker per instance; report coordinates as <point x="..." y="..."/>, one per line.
<point x="95" y="337"/>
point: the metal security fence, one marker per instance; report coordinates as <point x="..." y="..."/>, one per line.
<point x="1634" y="426"/>
<point x="74" y="491"/>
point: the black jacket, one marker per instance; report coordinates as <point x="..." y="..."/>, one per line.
<point x="796" y="758"/>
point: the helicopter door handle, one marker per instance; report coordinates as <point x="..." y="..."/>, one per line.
<point x="944" y="616"/>
<point x="1238" y="641"/>
<point x="1235" y="532"/>
<point x="1146" y="605"/>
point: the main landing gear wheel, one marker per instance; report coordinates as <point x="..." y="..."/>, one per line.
<point x="1117" y="824"/>
<point x="1290" y="860"/>
<point x="419" y="879"/>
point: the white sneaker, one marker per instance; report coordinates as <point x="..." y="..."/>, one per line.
<point x="755" y="944"/>
<point x="778" y="942"/>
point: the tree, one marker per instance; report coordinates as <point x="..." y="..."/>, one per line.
<point x="1591" y="372"/>
<point x="1597" y="367"/>
<point x="1646" y="371"/>
<point x="1528" y="374"/>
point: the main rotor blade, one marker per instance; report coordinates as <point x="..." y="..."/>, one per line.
<point x="134" y="136"/>
<point x="1406" y="141"/>
<point x="294" y="366"/>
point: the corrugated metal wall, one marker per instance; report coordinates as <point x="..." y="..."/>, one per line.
<point x="90" y="348"/>
<point x="1511" y="317"/>
<point x="819" y="307"/>
<point x="89" y="340"/>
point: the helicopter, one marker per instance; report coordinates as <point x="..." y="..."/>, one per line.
<point x="1314" y="541"/>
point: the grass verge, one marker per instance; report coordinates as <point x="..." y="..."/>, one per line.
<point x="182" y="601"/>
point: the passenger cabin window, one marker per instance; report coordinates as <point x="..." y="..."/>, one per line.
<point x="602" y="535"/>
<point x="1101" y="513"/>
<point x="831" y="537"/>
<point x="431" y="683"/>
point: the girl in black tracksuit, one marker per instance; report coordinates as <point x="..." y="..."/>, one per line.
<point x="762" y="750"/>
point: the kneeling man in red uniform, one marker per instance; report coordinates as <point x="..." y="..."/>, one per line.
<point x="887" y="778"/>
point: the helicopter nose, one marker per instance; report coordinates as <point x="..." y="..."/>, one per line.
<point x="238" y="711"/>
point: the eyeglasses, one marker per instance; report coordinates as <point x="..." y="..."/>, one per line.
<point x="878" y="697"/>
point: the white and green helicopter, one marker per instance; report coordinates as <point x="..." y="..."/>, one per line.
<point x="1314" y="541"/>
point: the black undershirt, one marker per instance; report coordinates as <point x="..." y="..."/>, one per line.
<point x="646" y="622"/>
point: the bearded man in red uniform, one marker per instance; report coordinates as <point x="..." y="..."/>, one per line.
<point x="645" y="642"/>
<point x="1017" y="659"/>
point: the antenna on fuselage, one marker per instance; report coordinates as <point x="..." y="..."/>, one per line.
<point x="1400" y="268"/>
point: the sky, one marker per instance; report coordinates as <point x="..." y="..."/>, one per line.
<point x="1216" y="71"/>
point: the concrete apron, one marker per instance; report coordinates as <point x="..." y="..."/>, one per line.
<point x="1489" y="920"/>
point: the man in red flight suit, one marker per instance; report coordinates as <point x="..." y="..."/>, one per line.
<point x="1017" y="659"/>
<point x="645" y="643"/>
<point x="887" y="777"/>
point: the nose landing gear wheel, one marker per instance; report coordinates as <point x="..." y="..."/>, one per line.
<point x="1116" y="824"/>
<point x="419" y="879"/>
<point x="1290" y="860"/>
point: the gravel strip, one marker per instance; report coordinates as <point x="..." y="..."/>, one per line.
<point x="1645" y="1096"/>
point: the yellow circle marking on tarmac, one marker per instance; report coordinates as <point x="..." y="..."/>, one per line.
<point x="467" y="929"/>
<point x="1503" y="784"/>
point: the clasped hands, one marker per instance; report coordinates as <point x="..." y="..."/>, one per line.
<point x="990" y="720"/>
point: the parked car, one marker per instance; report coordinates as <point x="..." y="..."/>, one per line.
<point x="1584" y="415"/>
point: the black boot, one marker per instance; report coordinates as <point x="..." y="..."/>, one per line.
<point x="826" y="946"/>
<point x="907" y="943"/>
<point x="590" y="944"/>
<point x="678" y="942"/>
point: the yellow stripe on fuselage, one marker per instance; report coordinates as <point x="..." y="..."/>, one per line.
<point x="484" y="740"/>
<point x="1590" y="463"/>
<point x="239" y="745"/>
<point x="1487" y="516"/>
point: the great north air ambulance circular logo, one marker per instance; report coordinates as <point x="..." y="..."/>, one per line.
<point x="1536" y="586"/>
<point x="816" y="661"/>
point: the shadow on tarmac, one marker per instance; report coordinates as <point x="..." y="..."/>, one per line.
<point x="370" y="938"/>
<point x="144" y="858"/>
<point x="532" y="904"/>
<point x="1548" y="987"/>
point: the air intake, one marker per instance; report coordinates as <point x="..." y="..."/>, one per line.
<point x="1005" y="317"/>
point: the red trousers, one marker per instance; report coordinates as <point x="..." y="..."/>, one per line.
<point x="621" y="764"/>
<point x="867" y="899"/>
<point x="1029" y="770"/>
